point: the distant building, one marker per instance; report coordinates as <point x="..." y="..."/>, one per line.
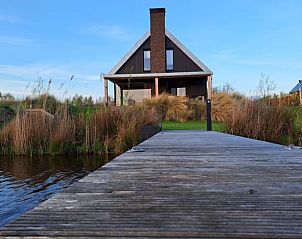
<point x="297" y="88"/>
<point x="39" y="112"/>
<point x="158" y="63"/>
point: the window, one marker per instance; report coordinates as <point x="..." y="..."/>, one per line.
<point x="147" y="62"/>
<point x="173" y="91"/>
<point x="180" y="91"/>
<point x="169" y="59"/>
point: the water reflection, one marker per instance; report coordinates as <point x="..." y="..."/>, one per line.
<point x="25" y="182"/>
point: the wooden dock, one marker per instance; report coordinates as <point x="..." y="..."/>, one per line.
<point x="186" y="184"/>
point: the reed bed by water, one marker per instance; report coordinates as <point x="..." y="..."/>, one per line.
<point x="273" y="118"/>
<point x="88" y="128"/>
<point x="258" y="120"/>
<point x="276" y="118"/>
<point x="106" y="131"/>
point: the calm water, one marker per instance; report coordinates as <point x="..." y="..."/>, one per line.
<point x="25" y="182"/>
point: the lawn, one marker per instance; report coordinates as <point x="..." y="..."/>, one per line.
<point x="189" y="125"/>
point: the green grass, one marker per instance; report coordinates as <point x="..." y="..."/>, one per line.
<point x="190" y="125"/>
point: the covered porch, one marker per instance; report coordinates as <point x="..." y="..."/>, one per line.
<point x="137" y="87"/>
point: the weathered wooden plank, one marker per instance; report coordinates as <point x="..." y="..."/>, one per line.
<point x="185" y="184"/>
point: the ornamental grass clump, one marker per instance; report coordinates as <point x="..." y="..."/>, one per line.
<point x="223" y="105"/>
<point x="179" y="108"/>
<point x="171" y="108"/>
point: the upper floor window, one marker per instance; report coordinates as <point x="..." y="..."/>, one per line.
<point x="169" y="59"/>
<point x="147" y="61"/>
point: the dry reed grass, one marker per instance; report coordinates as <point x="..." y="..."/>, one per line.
<point x="27" y="134"/>
<point x="177" y="108"/>
<point x="255" y="119"/>
<point x="169" y="107"/>
<point x="223" y="105"/>
<point x="283" y="100"/>
<point x="107" y="131"/>
<point x="270" y="119"/>
<point x="113" y="130"/>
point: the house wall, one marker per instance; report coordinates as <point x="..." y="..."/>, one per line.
<point x="195" y="87"/>
<point x="135" y="64"/>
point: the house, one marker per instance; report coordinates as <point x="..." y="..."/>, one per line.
<point x="39" y="112"/>
<point x="297" y="88"/>
<point x="158" y="63"/>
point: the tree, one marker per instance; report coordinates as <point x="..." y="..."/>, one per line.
<point x="226" y="88"/>
<point x="266" y="86"/>
<point x="6" y="96"/>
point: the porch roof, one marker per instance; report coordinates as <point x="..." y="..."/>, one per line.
<point x="156" y="75"/>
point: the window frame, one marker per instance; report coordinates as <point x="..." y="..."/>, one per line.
<point x="169" y="49"/>
<point x="146" y="50"/>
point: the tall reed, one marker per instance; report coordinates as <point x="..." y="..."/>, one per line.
<point x="255" y="119"/>
<point x="107" y="131"/>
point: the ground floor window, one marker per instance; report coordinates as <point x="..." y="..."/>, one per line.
<point x="178" y="91"/>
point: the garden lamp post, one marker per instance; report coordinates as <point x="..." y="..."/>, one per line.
<point x="209" y="118"/>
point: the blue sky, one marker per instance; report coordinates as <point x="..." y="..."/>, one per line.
<point x="238" y="40"/>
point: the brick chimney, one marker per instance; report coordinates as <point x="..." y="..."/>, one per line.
<point x="157" y="43"/>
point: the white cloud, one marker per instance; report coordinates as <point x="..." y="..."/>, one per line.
<point x="22" y="79"/>
<point x="9" y="18"/>
<point x="16" y="41"/>
<point x="46" y="71"/>
<point x="112" y="32"/>
<point x="233" y="57"/>
<point x="255" y="62"/>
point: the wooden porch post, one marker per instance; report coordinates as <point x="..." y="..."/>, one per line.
<point x="106" y="92"/>
<point x="114" y="94"/>
<point x="300" y="95"/>
<point x="156" y="87"/>
<point x="122" y="97"/>
<point x="209" y="103"/>
<point x="209" y="87"/>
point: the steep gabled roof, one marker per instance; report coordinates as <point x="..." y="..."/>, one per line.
<point x="168" y="34"/>
<point x="188" y="52"/>
<point x="129" y="53"/>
